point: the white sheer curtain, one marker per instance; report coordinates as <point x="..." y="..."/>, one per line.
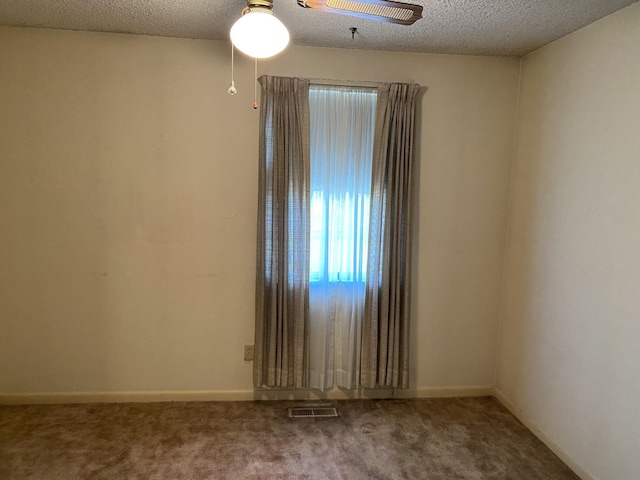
<point x="342" y="123"/>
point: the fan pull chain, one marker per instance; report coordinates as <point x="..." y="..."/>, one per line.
<point x="232" y="88"/>
<point x="255" y="86"/>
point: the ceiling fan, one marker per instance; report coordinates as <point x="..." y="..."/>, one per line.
<point x="380" y="10"/>
<point x="259" y="34"/>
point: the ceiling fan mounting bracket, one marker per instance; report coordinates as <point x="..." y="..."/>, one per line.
<point x="260" y="3"/>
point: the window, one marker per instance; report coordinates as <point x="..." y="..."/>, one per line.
<point x="342" y="127"/>
<point x="316" y="318"/>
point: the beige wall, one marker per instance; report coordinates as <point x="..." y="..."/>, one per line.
<point x="127" y="198"/>
<point x="570" y="337"/>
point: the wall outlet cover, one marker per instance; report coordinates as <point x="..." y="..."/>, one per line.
<point x="248" y="353"/>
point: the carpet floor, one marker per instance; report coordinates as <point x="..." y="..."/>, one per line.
<point x="435" y="439"/>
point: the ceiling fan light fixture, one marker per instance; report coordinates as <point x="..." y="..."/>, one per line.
<point x="258" y="33"/>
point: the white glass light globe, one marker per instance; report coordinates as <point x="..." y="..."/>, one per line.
<point x="259" y="34"/>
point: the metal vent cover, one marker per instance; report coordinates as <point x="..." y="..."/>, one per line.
<point x="312" y="412"/>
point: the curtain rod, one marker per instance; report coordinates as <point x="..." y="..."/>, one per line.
<point x="343" y="83"/>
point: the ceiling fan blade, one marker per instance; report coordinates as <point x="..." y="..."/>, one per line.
<point x="380" y="10"/>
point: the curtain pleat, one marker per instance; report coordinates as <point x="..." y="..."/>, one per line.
<point x="385" y="332"/>
<point x="281" y="353"/>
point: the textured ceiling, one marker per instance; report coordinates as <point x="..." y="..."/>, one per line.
<point x="482" y="27"/>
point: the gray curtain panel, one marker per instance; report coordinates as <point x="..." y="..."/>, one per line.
<point x="385" y="335"/>
<point x="281" y="355"/>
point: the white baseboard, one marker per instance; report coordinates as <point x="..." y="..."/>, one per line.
<point x="538" y="432"/>
<point x="238" y="395"/>
<point x="122" y="397"/>
<point x="340" y="394"/>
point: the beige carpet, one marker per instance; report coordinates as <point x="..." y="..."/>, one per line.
<point x="468" y="438"/>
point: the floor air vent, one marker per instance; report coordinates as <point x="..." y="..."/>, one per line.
<point x="312" y="412"/>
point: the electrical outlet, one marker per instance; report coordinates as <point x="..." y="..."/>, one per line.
<point x="248" y="353"/>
